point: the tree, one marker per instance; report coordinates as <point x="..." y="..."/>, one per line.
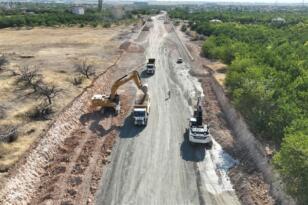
<point x="48" y="91"/>
<point x="85" y="69"/>
<point x="30" y="77"/>
<point x="291" y="162"/>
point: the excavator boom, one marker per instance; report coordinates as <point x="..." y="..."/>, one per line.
<point x="134" y="75"/>
<point x="113" y="101"/>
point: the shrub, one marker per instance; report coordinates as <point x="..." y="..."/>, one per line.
<point x="8" y="133"/>
<point x="3" y="61"/>
<point x="183" y="28"/>
<point x="77" y="80"/>
<point x="40" y="112"/>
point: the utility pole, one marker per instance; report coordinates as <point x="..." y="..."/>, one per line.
<point x="100" y="5"/>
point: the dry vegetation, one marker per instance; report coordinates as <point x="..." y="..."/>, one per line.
<point x="42" y="71"/>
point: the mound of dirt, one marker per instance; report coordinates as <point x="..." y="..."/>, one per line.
<point x="132" y="47"/>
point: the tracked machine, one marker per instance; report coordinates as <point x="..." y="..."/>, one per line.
<point x="112" y="101"/>
<point x="198" y="132"/>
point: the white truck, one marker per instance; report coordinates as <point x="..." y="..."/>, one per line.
<point x="198" y="132"/>
<point x="142" y="109"/>
<point x="150" y="67"/>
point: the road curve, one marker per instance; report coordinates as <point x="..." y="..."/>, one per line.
<point x="155" y="164"/>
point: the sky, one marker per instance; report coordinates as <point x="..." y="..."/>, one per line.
<point x="252" y="1"/>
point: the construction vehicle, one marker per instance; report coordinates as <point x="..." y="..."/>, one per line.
<point x="179" y="61"/>
<point x="141" y="109"/>
<point x="150" y="67"/>
<point x="199" y="133"/>
<point x="113" y="100"/>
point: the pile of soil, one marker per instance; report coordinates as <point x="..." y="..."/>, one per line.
<point x="132" y="47"/>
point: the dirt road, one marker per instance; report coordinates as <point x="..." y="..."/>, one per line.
<point x="156" y="165"/>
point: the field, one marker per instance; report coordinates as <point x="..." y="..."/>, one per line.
<point x="54" y="52"/>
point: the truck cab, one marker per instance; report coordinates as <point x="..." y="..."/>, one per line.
<point x="150" y="67"/>
<point x="140" y="116"/>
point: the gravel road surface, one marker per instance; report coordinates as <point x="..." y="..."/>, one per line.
<point x="156" y="164"/>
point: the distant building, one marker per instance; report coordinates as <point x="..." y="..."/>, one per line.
<point x="78" y="10"/>
<point x="278" y="21"/>
<point x="215" y="21"/>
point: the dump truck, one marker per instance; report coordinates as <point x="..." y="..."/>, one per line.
<point x="113" y="100"/>
<point x="150" y="67"/>
<point x="141" y="109"/>
<point x="198" y="132"/>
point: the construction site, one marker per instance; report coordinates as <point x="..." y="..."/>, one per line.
<point x="153" y="127"/>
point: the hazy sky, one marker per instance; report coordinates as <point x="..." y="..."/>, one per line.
<point x="254" y="1"/>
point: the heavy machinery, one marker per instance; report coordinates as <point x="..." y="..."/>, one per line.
<point x="113" y="100"/>
<point x="150" y="67"/>
<point x="179" y="61"/>
<point x="199" y="133"/>
<point x="141" y="109"/>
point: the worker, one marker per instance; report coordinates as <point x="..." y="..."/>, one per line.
<point x="169" y="94"/>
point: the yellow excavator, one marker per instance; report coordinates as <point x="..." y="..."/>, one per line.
<point x="113" y="100"/>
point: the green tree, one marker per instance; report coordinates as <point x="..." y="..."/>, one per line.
<point x="292" y="164"/>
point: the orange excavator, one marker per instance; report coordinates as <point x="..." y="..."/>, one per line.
<point x="113" y="100"/>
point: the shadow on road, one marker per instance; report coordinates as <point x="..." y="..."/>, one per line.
<point x="94" y="118"/>
<point x="193" y="153"/>
<point x="129" y="130"/>
<point x="144" y="74"/>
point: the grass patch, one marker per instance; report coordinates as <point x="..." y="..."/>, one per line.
<point x="10" y="153"/>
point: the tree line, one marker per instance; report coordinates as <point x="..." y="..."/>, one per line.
<point x="267" y="79"/>
<point x="42" y="15"/>
<point x="54" y="18"/>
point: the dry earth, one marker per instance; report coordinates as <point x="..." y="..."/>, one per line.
<point x="54" y="52"/>
<point x="66" y="165"/>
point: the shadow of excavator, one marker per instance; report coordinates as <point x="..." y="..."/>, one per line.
<point x="95" y="118"/>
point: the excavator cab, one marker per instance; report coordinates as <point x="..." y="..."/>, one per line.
<point x="199" y="133"/>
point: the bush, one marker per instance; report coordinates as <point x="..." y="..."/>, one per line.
<point x="3" y="61"/>
<point x="40" y="112"/>
<point x="94" y="25"/>
<point x="2" y="112"/>
<point x="183" y="28"/>
<point x="77" y="80"/>
<point x="107" y="25"/>
<point x="8" y="134"/>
